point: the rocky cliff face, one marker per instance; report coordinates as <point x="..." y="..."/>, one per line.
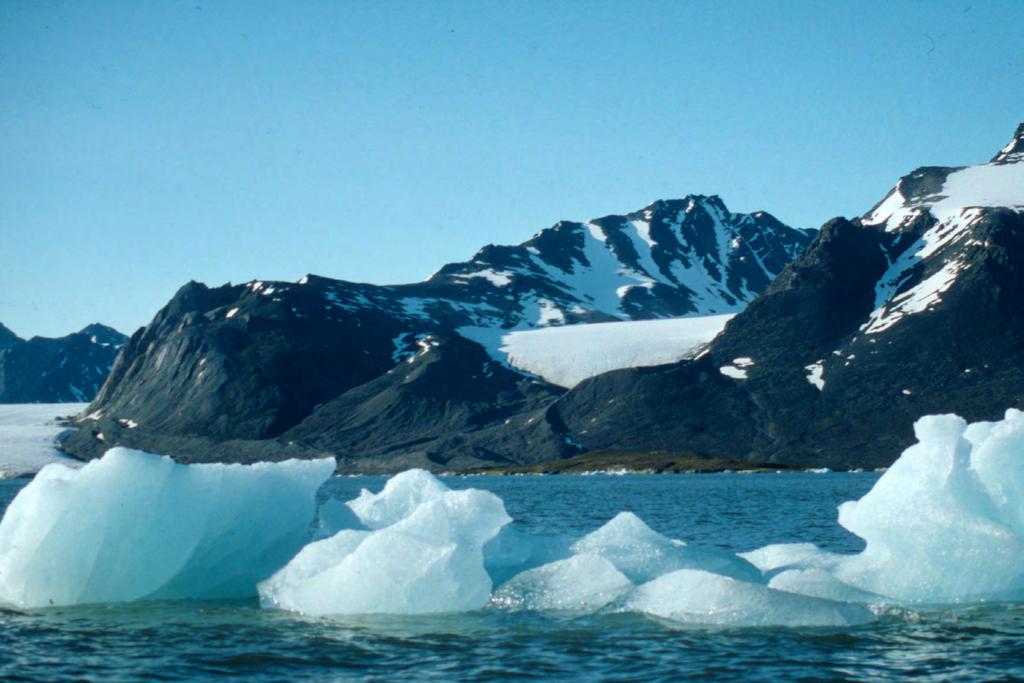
<point x="330" y="365"/>
<point x="63" y="370"/>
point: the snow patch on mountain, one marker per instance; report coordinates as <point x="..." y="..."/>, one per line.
<point x="815" y="372"/>
<point x="908" y="287"/>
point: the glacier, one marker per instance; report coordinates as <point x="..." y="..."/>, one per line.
<point x="29" y="434"/>
<point x="136" y="526"/>
<point x="566" y="355"/>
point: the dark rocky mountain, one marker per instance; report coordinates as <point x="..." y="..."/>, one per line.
<point x="914" y="308"/>
<point x="67" y="369"/>
<point x="381" y="376"/>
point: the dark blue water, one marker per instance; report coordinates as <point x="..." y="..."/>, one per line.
<point x="194" y="640"/>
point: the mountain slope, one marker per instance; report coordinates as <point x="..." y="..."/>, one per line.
<point x="265" y="360"/>
<point x="62" y="370"/>
<point x="915" y="308"/>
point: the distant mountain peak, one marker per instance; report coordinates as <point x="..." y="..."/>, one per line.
<point x="99" y="333"/>
<point x="1014" y="151"/>
<point x="57" y="370"/>
<point x="953" y="194"/>
<point x="7" y="338"/>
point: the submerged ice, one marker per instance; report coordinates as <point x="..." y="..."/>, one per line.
<point x="135" y="526"/>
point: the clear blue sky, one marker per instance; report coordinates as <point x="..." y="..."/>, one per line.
<point x="144" y="144"/>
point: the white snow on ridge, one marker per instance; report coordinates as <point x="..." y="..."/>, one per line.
<point x="28" y="436"/>
<point x="498" y="278"/>
<point x="567" y="355"/>
<point x="956" y="208"/>
<point x="733" y="372"/>
<point x="984" y="185"/>
<point x="919" y="298"/>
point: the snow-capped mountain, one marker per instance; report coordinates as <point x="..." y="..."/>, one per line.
<point x="62" y="370"/>
<point x="683" y="257"/>
<point x="915" y="308"/>
<point x="264" y="360"/>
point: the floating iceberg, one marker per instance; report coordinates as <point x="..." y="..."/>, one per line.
<point x="136" y="526"/>
<point x="945" y="523"/>
<point x="424" y="553"/>
<point x="691" y="596"/>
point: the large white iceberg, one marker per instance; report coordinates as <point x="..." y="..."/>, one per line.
<point x="402" y="494"/>
<point x="136" y="526"/>
<point x="424" y="553"/>
<point x="946" y="521"/>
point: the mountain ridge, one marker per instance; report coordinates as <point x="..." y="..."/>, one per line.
<point x="64" y="369"/>
<point x="911" y="309"/>
<point x="252" y="362"/>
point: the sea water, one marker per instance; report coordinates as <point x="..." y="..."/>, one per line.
<point x="179" y="640"/>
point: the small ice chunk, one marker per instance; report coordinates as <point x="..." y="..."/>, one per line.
<point x="733" y="372"/>
<point x="697" y="597"/>
<point x="642" y="554"/>
<point x="581" y="582"/>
